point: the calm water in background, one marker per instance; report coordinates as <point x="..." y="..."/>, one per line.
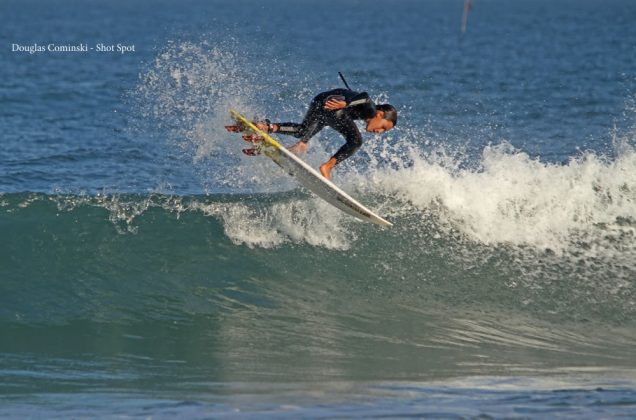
<point x="148" y="268"/>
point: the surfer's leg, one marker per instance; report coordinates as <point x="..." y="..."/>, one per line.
<point x="313" y="122"/>
<point x="325" y="168"/>
<point x="350" y="132"/>
<point x="287" y="128"/>
<point x="305" y="131"/>
<point x="348" y="129"/>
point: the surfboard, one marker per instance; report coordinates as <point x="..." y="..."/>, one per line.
<point x="310" y="178"/>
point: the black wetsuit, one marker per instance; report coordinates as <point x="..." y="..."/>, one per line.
<point x="359" y="107"/>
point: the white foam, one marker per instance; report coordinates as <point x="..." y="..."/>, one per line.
<point x="300" y="221"/>
<point x="515" y="199"/>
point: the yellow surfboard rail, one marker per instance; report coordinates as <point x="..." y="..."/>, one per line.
<point x="260" y="132"/>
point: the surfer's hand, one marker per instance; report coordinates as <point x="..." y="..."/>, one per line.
<point x="298" y="148"/>
<point x="334" y="104"/>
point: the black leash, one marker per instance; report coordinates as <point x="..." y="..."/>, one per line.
<point x="344" y="81"/>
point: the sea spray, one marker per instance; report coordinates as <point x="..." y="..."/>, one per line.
<point x="184" y="97"/>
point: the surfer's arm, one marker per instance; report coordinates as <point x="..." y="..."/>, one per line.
<point x="335" y="103"/>
<point x="363" y="105"/>
<point x="360" y="103"/>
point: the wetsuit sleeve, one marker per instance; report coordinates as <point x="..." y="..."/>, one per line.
<point x="350" y="131"/>
<point x="362" y="105"/>
<point x="334" y="97"/>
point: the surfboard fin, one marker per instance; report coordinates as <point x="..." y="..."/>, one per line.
<point x="252" y="138"/>
<point x="235" y="128"/>
<point x="255" y="151"/>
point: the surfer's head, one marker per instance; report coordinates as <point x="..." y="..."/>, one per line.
<point x="385" y="119"/>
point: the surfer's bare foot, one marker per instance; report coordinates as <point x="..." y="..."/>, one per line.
<point x="325" y="172"/>
<point x="262" y="125"/>
<point x="298" y="148"/>
<point x="325" y="168"/>
<point x="266" y="126"/>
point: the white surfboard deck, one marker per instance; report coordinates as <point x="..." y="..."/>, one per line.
<point x="310" y="178"/>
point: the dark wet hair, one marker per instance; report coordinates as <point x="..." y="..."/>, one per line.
<point x="390" y="113"/>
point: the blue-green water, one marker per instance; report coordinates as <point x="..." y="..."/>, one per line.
<point x="148" y="268"/>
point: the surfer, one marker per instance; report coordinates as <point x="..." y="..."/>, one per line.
<point x="338" y="109"/>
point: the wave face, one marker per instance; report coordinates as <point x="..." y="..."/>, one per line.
<point x="271" y="287"/>
<point x="511" y="266"/>
<point x="516" y="233"/>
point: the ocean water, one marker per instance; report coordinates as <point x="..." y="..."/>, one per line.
<point x="148" y="268"/>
